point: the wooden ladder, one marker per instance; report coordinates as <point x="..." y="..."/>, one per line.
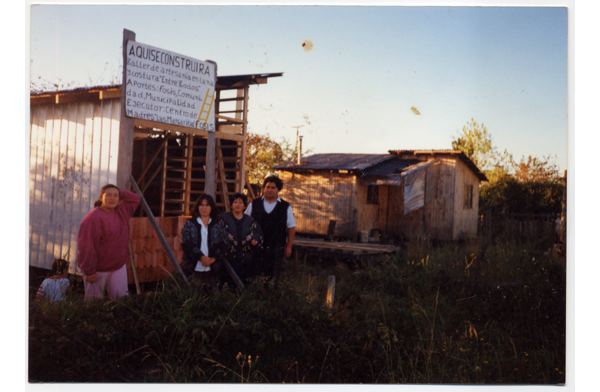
<point x="207" y="104"/>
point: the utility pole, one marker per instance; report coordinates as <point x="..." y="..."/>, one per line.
<point x="297" y="137"/>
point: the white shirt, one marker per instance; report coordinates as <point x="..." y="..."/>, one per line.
<point x="269" y="207"/>
<point x="203" y="245"/>
<point x="53" y="289"/>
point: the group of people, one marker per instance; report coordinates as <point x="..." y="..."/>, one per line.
<point x="247" y="242"/>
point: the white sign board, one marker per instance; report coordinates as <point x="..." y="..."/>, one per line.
<point x="168" y="87"/>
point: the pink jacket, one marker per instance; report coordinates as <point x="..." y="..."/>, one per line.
<point x="103" y="239"/>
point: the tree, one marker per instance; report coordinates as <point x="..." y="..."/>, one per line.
<point x="262" y="153"/>
<point x="536" y="170"/>
<point x="476" y="142"/>
<point x="512" y="196"/>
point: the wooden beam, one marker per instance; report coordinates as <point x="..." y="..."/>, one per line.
<point x="77" y="97"/>
<point x="163" y="183"/>
<point x="188" y="173"/>
<point x="222" y="177"/>
<point x="242" y="151"/>
<point x="126" y="128"/>
<point x="186" y="130"/>
<point x="230" y="119"/>
<point x="249" y="187"/>
<point x="154" y="158"/>
<point x="42" y="100"/>
<point x="109" y="94"/>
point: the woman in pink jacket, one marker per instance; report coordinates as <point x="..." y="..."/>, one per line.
<point x="103" y="243"/>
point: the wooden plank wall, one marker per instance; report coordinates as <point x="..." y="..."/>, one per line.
<point x="370" y="215"/>
<point x="395" y="220"/>
<point x="318" y="198"/>
<point x="73" y="152"/>
<point x="440" y="198"/>
<point x="439" y="206"/>
<point x="465" y="219"/>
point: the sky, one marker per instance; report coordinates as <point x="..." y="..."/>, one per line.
<point x="504" y="67"/>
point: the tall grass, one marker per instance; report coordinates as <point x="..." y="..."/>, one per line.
<point x="424" y="315"/>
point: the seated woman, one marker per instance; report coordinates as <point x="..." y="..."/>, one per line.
<point x="235" y="238"/>
<point x="196" y="243"/>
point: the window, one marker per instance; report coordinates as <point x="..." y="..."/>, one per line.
<point x="372" y="194"/>
<point x="468" y="196"/>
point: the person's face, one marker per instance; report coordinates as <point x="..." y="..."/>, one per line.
<point x="271" y="192"/>
<point x="110" y="199"/>
<point x="237" y="206"/>
<point x="204" y="209"/>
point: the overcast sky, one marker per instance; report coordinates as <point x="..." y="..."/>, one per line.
<point x="505" y="67"/>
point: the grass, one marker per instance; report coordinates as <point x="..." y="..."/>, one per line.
<point x="424" y="315"/>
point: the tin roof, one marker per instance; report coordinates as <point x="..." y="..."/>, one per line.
<point x="350" y="162"/>
<point x="374" y="164"/>
<point x="389" y="167"/>
<point x="95" y="92"/>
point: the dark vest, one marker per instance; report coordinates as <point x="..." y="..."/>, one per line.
<point x="273" y="225"/>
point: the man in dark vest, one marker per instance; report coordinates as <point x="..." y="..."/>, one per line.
<point x="276" y="220"/>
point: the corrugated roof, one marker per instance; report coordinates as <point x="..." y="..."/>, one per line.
<point x="225" y="81"/>
<point x="390" y="167"/>
<point x="348" y="162"/>
<point x="373" y="164"/>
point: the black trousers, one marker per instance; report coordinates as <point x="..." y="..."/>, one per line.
<point x="270" y="262"/>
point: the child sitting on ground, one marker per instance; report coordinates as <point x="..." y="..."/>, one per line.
<point x="55" y="288"/>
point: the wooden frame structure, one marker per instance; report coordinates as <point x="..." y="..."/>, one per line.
<point x="79" y="143"/>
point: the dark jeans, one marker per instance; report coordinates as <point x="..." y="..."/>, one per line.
<point x="269" y="263"/>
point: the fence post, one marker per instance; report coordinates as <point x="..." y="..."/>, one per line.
<point x="330" y="290"/>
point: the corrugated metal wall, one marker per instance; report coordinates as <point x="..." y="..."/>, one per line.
<point x="74" y="151"/>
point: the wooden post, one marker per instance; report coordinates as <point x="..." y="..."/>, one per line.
<point x="210" y="166"/>
<point x="125" y="157"/>
<point x="330" y="290"/>
<point x="209" y="174"/>
<point x="187" y="196"/>
<point x="242" y="153"/>
<point x="224" y="190"/>
<point x="134" y="268"/>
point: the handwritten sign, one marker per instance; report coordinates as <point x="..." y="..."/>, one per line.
<point x="168" y="87"/>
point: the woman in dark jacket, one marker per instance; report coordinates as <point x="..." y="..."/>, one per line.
<point x="234" y="239"/>
<point x="196" y="242"/>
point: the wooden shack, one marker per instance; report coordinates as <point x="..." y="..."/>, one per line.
<point x="77" y="143"/>
<point x="402" y="194"/>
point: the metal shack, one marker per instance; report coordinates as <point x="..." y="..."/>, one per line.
<point x="77" y="145"/>
<point x="404" y="194"/>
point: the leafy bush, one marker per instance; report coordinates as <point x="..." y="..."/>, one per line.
<point x="510" y="195"/>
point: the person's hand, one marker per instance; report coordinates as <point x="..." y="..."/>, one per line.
<point x="206" y="261"/>
<point x="288" y="251"/>
<point x="91" y="278"/>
